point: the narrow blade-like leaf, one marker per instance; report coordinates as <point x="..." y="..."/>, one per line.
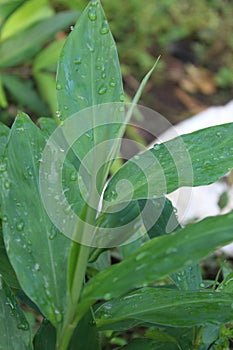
<point x="168" y="307"/>
<point x="159" y="258"/>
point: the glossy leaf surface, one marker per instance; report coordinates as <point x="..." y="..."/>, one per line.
<point x="160" y="257"/>
<point x="195" y="159"/>
<point x="88" y="70"/>
<point x="167" y="307"/>
<point x="37" y="251"/>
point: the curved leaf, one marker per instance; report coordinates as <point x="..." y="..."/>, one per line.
<point x="88" y="70"/>
<point x="195" y="159"/>
<point x="33" y="244"/>
<point x="168" y="307"/>
<point x="159" y="258"/>
<point x="27" y="43"/>
<point x="26" y="15"/>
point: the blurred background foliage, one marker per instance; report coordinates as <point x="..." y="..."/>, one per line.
<point x="194" y="39"/>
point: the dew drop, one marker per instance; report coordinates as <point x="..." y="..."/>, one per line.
<point x="7" y="185"/>
<point x="107" y="296"/>
<point x="113" y="83"/>
<point x="102" y="90"/>
<point x="92" y="14"/>
<point x="58" y="87"/>
<point x="202" y="285"/>
<point x="58" y="114"/>
<point x="37" y="267"/>
<point x="66" y="108"/>
<point x="71" y="28"/>
<point x="3" y="167"/>
<point x="104" y="28"/>
<point x="58" y="316"/>
<point x="122" y="97"/>
<point x="113" y="194"/>
<point x="52" y="234"/>
<point x="103" y="75"/>
<point x="23" y="326"/>
<point x="218" y="133"/>
<point x="73" y="176"/>
<point x="156" y="147"/>
<point x="20" y="226"/>
<point x="4" y="218"/>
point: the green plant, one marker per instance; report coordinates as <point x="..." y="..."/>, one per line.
<point x="156" y="285"/>
<point x="29" y="56"/>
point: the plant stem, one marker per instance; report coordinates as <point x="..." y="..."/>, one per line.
<point x="70" y="323"/>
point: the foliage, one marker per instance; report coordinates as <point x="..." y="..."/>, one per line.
<point x="142" y="30"/>
<point x="156" y="285"/>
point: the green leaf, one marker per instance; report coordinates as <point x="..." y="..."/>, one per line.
<point x="26" y="15"/>
<point x="27" y="43"/>
<point x="85" y="335"/>
<point x="4" y="134"/>
<point x="45" y="338"/>
<point x="24" y="93"/>
<point x="14" y="329"/>
<point x="3" y="100"/>
<point x="6" y="270"/>
<point x="33" y="244"/>
<point x="168" y="307"/>
<point x="48" y="57"/>
<point x="88" y="70"/>
<point x="6" y="8"/>
<point x="47" y="87"/>
<point x="196" y="159"/>
<point x="159" y="258"/>
<point x="47" y="126"/>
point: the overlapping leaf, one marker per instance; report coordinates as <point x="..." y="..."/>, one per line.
<point x="167" y="307"/>
<point x="37" y="251"/>
<point x="195" y="159"/>
<point x="160" y="257"/>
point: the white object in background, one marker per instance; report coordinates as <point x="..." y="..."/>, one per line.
<point x="200" y="202"/>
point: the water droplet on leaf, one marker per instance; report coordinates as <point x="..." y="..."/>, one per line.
<point x="37" y="267"/>
<point x="92" y="14"/>
<point x="73" y="176"/>
<point x="102" y="90"/>
<point x="4" y="218"/>
<point x="107" y="296"/>
<point x="58" y="114"/>
<point x="20" y="226"/>
<point x="7" y="185"/>
<point x="122" y="97"/>
<point x="23" y="326"/>
<point x="104" y="28"/>
<point x="58" y="87"/>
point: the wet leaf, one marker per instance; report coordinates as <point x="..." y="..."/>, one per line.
<point x="195" y="159"/>
<point x="167" y="307"/>
<point x="159" y="258"/>
<point x="88" y="71"/>
<point x="37" y="251"/>
<point x="14" y="328"/>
